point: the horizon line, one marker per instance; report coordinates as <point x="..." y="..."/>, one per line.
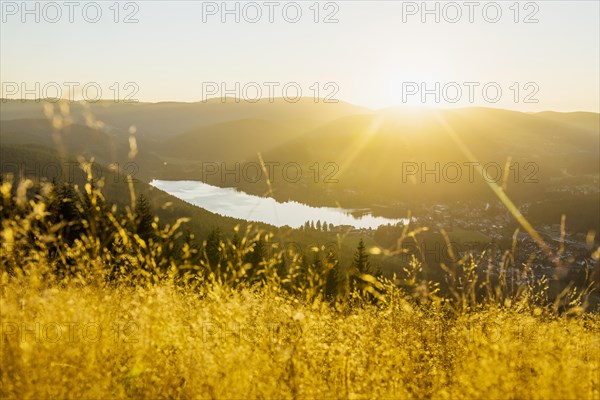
<point x="318" y="100"/>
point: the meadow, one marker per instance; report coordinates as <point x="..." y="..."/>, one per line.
<point x="139" y="318"/>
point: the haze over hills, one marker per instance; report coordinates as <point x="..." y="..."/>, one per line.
<point x="488" y="134"/>
<point x="394" y="157"/>
<point x="232" y="140"/>
<point x="388" y="163"/>
<point x="159" y="121"/>
<point x="73" y="140"/>
<point x="41" y="163"/>
<point x="386" y="154"/>
<point x="315" y="129"/>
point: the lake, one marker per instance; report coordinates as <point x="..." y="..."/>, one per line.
<point x="232" y="203"/>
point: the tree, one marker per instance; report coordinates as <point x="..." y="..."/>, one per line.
<point x="66" y="218"/>
<point x="235" y="247"/>
<point x="360" y="266"/>
<point x="361" y="259"/>
<point x="191" y="250"/>
<point x="143" y="219"/>
<point x="94" y="209"/>
<point x="318" y="226"/>
<point x="324" y="226"/>
<point x="63" y="209"/>
<point x="334" y="282"/>
<point x="256" y="257"/>
<point x="317" y="261"/>
<point x="312" y="225"/>
<point x="306" y="226"/>
<point x="212" y="249"/>
<point x="67" y="207"/>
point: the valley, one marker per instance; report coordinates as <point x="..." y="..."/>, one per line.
<point x="391" y="163"/>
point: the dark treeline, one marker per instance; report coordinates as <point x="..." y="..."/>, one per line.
<point x="77" y="235"/>
<point x="67" y="228"/>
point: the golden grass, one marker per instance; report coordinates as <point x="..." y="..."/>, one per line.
<point x="81" y="322"/>
<point x="170" y="342"/>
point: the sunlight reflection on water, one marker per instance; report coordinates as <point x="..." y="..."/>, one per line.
<point x="229" y="202"/>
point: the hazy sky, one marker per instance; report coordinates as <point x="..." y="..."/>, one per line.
<point x="371" y="55"/>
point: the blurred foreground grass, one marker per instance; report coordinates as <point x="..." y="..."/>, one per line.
<point x="95" y="307"/>
<point x="167" y="342"/>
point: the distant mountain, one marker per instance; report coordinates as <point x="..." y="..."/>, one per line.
<point x="160" y="121"/>
<point x="349" y="155"/>
<point x="375" y="155"/>
<point x="384" y="141"/>
<point x="73" y="140"/>
<point x="40" y="164"/>
<point x="233" y="140"/>
<point x="584" y="120"/>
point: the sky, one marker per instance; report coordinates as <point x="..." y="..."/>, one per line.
<point x="531" y="56"/>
